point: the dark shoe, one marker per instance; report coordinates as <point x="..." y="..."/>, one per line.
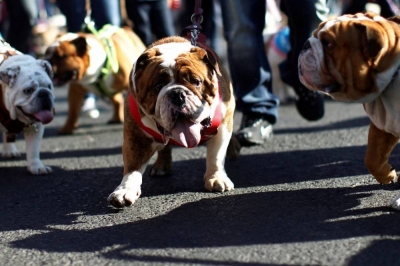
<point x="309" y="104"/>
<point x="254" y="130"/>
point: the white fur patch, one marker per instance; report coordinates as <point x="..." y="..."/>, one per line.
<point x="170" y="51"/>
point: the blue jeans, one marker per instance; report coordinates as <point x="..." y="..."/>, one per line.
<point x="243" y="22"/>
<point x="300" y="30"/>
<point x="152" y="19"/>
<point x="103" y="12"/>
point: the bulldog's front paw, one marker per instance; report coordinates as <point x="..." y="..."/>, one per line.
<point x="124" y="197"/>
<point x="395" y="204"/>
<point x="10" y="151"/>
<point x="36" y="167"/>
<point x="218" y="182"/>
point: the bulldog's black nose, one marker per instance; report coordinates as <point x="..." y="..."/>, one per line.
<point x="177" y="97"/>
<point x="306" y="45"/>
<point x="44" y="97"/>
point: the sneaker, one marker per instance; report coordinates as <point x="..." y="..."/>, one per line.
<point x="254" y="130"/>
<point x="309" y="104"/>
<point x="89" y="107"/>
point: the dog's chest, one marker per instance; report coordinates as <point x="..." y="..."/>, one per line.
<point x="384" y="111"/>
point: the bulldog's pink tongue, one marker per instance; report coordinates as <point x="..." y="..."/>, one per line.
<point x="186" y="133"/>
<point x="44" y="116"/>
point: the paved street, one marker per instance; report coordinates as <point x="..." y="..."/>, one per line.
<point x="303" y="198"/>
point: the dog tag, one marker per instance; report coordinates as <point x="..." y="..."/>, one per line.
<point x="30" y="129"/>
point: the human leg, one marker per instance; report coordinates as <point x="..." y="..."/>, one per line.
<point x="139" y="13"/>
<point x="74" y="11"/>
<point x="106" y="12"/>
<point x="22" y="15"/>
<point x="309" y="104"/>
<point x="244" y="22"/>
<point x="162" y="24"/>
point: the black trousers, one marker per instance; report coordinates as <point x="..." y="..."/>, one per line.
<point x="22" y="17"/>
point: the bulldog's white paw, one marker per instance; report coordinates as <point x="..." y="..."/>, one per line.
<point x="395" y="204"/>
<point x="36" y="167"/>
<point x="124" y="197"/>
<point x="10" y="151"/>
<point x="128" y="191"/>
<point x="219" y="182"/>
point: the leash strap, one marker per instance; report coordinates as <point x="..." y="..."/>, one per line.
<point x="192" y="32"/>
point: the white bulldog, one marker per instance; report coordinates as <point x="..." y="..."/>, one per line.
<point x="26" y="103"/>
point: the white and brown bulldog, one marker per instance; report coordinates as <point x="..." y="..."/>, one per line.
<point x="26" y="103"/>
<point x="98" y="63"/>
<point x="179" y="95"/>
<point x="356" y="58"/>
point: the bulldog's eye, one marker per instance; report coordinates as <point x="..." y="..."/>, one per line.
<point x="327" y="44"/>
<point x="49" y="87"/>
<point x="28" y="91"/>
<point x="195" y="81"/>
<point x="158" y="86"/>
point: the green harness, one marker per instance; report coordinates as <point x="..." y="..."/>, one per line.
<point x="111" y="65"/>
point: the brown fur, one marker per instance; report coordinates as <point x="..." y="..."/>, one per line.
<point x="137" y="147"/>
<point x="358" y="51"/>
<point x="70" y="55"/>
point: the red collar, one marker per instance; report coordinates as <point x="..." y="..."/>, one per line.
<point x="206" y="134"/>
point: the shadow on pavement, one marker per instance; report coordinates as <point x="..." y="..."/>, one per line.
<point x="350" y="123"/>
<point x="231" y="220"/>
<point x="53" y="203"/>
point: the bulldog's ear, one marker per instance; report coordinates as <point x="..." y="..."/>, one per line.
<point x="320" y="26"/>
<point x="46" y="66"/>
<point x="143" y="59"/>
<point x="372" y="40"/>
<point x="9" y="75"/>
<point x="208" y="56"/>
<point x="395" y="19"/>
<point x="81" y="45"/>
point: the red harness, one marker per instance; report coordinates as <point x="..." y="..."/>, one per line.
<point x="206" y="133"/>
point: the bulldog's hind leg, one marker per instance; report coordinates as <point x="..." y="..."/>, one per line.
<point x="380" y="145"/>
<point x="215" y="178"/>
<point x="117" y="101"/>
<point x="163" y="165"/>
<point x="76" y="95"/>
<point x="9" y="149"/>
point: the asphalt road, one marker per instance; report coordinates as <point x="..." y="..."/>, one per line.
<point x="305" y="198"/>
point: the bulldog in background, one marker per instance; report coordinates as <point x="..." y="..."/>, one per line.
<point x="181" y="95"/>
<point x="26" y="103"/>
<point x="356" y="58"/>
<point x="98" y="63"/>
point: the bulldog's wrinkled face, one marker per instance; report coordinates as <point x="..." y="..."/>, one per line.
<point x="28" y="89"/>
<point x="352" y="57"/>
<point x="69" y="60"/>
<point x="175" y="85"/>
